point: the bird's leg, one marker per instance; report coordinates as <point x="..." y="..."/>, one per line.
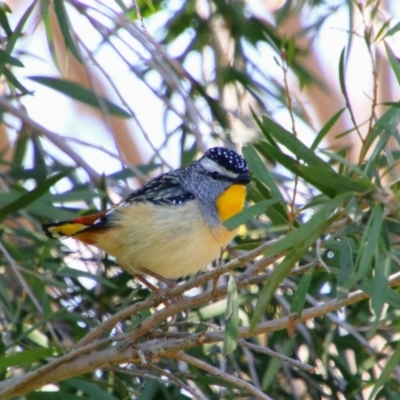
<point x="146" y="283"/>
<point x="170" y="283"/>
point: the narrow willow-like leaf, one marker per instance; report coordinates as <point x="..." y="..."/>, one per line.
<point x="386" y="372"/>
<point x="369" y="243"/>
<point x="248" y="213"/>
<point x="380" y="287"/>
<point x="299" y="296"/>
<point x="314" y="224"/>
<point x="325" y="129"/>
<point x="78" y="92"/>
<point x="75" y="273"/>
<point x="392" y="298"/>
<point x="393" y="30"/>
<point x="8" y="59"/>
<point x="11" y="78"/>
<point x="394" y="62"/>
<point x="346" y="268"/>
<point x="301" y="240"/>
<point x="26" y="357"/>
<point x="292" y="143"/>
<point x="348" y="164"/>
<point x="65" y="27"/>
<point x="382" y="30"/>
<point x="293" y="165"/>
<point x="4" y="20"/>
<point x="20" y="149"/>
<point x="260" y="171"/>
<point x="90" y="388"/>
<point x="231" y="318"/>
<point x="17" y="33"/>
<point x="323" y="178"/>
<point x="31" y="196"/>
<point x="150" y="4"/>
<point x="46" y="18"/>
<point x="275" y="365"/>
<point x="342" y="73"/>
<point x="384" y="127"/>
<point x="276" y="212"/>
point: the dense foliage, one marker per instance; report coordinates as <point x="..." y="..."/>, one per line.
<point x="305" y="303"/>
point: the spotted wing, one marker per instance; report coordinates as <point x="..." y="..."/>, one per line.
<point x="165" y="189"/>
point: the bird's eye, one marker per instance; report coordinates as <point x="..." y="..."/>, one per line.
<point x="215" y="175"/>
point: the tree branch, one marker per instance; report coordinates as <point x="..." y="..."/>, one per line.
<point x="160" y="345"/>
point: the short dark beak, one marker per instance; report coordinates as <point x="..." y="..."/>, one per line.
<point x="242" y="179"/>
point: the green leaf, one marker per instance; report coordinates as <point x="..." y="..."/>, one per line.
<point x="352" y="167"/>
<point x="386" y="372"/>
<point x="248" y="213"/>
<point x="291" y="49"/>
<point x="8" y="59"/>
<point x="93" y="390"/>
<point x="392" y="298"/>
<point x="369" y="242"/>
<point x="380" y="286"/>
<point x="393" y="30"/>
<point x="300" y="241"/>
<point x="20" y="149"/>
<point x="330" y="180"/>
<point x="4" y="7"/>
<point x="265" y="132"/>
<point x="65" y="27"/>
<point x="46" y="18"/>
<point x="274" y="365"/>
<point x="346" y="268"/>
<point x="326" y="180"/>
<point x="277" y="212"/>
<point x="26" y="357"/>
<point x="385" y="129"/>
<point x="39" y="162"/>
<point x="17" y="33"/>
<point x="342" y="73"/>
<point x="120" y="387"/>
<point x="299" y="296"/>
<point x="77" y="92"/>
<point x="382" y="30"/>
<point x="231" y="318"/>
<point x="4" y="20"/>
<point x="292" y="143"/>
<point x="394" y="62"/>
<point x="325" y="130"/>
<point x="31" y="196"/>
<point x="14" y="81"/>
<point x="76" y="273"/>
<point x="317" y="221"/>
<point x="260" y="171"/>
<point x="150" y="4"/>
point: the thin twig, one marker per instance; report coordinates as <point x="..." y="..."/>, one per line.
<point x="16" y="269"/>
<point x="125" y="353"/>
<point x="177" y="382"/>
<point x="6" y="105"/>
<point x="215" y="372"/>
<point x="265" y="350"/>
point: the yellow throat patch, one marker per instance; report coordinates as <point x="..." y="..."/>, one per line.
<point x="231" y="202"/>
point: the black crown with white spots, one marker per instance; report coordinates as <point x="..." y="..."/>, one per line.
<point x="228" y="159"/>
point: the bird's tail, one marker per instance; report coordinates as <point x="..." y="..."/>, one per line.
<point x="81" y="228"/>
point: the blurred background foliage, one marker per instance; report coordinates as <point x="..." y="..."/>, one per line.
<point x="97" y="97"/>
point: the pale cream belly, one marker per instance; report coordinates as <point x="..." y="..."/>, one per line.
<point x="172" y="241"/>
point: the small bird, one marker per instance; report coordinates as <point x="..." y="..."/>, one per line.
<point x="172" y="226"/>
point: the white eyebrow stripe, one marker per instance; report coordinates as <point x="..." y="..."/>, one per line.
<point x="211" y="166"/>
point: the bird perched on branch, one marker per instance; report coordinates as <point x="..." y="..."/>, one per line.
<point x="173" y="225"/>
